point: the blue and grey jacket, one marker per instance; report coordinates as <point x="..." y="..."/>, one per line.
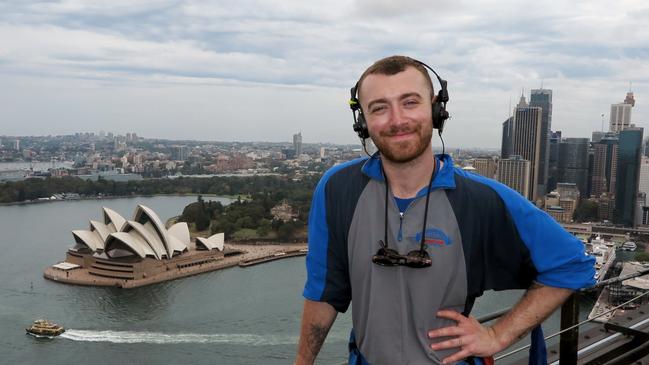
<point x="480" y="234"/>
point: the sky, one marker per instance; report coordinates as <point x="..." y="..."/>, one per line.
<point x="263" y="70"/>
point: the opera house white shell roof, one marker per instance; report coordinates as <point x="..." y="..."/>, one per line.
<point x="144" y="236"/>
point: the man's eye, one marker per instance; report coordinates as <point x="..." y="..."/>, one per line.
<point x="377" y="109"/>
<point x="411" y="102"/>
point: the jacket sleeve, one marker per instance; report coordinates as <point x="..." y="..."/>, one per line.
<point x="508" y="242"/>
<point x="559" y="257"/>
<point x="327" y="260"/>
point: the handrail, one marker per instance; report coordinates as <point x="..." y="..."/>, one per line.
<point x="574" y="326"/>
<point x="617" y="279"/>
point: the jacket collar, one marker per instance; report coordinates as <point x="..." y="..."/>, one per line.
<point x="443" y="180"/>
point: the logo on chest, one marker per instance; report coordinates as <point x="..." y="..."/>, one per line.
<point x="433" y="237"/>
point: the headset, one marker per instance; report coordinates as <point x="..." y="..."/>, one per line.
<point x="440" y="115"/>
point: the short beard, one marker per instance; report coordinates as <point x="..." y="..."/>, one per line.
<point x="399" y="154"/>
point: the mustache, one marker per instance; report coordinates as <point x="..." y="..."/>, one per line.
<point x="395" y="130"/>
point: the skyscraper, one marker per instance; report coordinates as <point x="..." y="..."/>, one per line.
<point x="643" y="184"/>
<point x="604" y="165"/>
<point x="629" y="99"/>
<point x="628" y="175"/>
<point x="485" y="166"/>
<point x="621" y="113"/>
<point x="620" y="117"/>
<point x="526" y="142"/>
<point x="506" y="143"/>
<point x="573" y="163"/>
<point x="515" y="173"/>
<point x="542" y="98"/>
<point x="179" y="153"/>
<point x="297" y="144"/>
<point x="553" y="161"/>
<point x="597" y="136"/>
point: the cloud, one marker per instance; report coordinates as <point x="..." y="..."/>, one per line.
<point x="587" y="51"/>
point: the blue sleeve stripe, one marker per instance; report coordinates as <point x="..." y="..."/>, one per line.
<point x="318" y="231"/>
<point x="559" y="257"/>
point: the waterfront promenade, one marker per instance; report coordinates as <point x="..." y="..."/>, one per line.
<point x="192" y="263"/>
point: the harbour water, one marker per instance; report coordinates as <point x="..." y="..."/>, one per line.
<point x="234" y="316"/>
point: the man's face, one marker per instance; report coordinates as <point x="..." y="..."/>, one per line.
<point x="398" y="111"/>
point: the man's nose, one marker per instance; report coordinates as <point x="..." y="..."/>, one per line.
<point x="397" y="115"/>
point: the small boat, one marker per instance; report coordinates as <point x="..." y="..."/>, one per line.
<point x="629" y="246"/>
<point x="44" y="328"/>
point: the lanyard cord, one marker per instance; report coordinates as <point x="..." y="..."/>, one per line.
<point x="423" y="229"/>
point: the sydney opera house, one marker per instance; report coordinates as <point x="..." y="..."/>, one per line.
<point x="140" y="251"/>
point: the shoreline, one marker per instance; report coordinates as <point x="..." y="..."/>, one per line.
<point x="196" y="263"/>
<point x="110" y="197"/>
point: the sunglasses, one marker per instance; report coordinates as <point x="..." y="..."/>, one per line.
<point x="416" y="259"/>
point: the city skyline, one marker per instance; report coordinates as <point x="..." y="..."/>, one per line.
<point x="258" y="71"/>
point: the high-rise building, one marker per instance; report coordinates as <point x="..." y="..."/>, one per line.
<point x="559" y="207"/>
<point x="645" y="216"/>
<point x="620" y="117"/>
<point x="506" y="144"/>
<point x="597" y="136"/>
<point x="542" y="98"/>
<point x="606" y="207"/>
<point x="297" y="144"/>
<point x="629" y="99"/>
<point x="568" y="191"/>
<point x="643" y="183"/>
<point x="179" y="153"/>
<point x="573" y="163"/>
<point x="485" y="166"/>
<point x="628" y="175"/>
<point x="641" y="201"/>
<point x="515" y="173"/>
<point x="17" y="145"/>
<point x="526" y="142"/>
<point x="553" y="161"/>
<point x="604" y="165"/>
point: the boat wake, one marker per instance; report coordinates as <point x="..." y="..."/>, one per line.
<point x="172" y="338"/>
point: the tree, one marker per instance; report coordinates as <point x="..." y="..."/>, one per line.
<point x="285" y="232"/>
<point x="264" y="228"/>
<point x="642" y="256"/>
<point x="586" y="211"/>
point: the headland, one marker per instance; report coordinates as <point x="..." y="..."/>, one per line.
<point x="95" y="271"/>
<point x="143" y="251"/>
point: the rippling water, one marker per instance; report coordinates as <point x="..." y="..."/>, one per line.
<point x="234" y="316"/>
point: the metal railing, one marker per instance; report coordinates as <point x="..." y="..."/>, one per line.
<point x="569" y="332"/>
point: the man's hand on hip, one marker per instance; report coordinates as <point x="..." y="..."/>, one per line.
<point x="469" y="336"/>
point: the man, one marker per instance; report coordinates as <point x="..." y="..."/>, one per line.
<point x="412" y="241"/>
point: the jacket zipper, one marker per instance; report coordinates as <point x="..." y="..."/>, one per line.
<point x="400" y="234"/>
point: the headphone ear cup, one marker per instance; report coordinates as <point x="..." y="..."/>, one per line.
<point x="439" y="116"/>
<point x="436" y="121"/>
<point x="360" y="127"/>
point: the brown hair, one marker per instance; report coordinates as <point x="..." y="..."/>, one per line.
<point x="393" y="65"/>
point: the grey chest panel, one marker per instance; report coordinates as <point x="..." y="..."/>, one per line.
<point x="393" y="308"/>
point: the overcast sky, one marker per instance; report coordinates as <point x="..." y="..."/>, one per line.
<point x="262" y="70"/>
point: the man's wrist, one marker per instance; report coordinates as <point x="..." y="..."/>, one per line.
<point x="500" y="339"/>
<point x="299" y="360"/>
